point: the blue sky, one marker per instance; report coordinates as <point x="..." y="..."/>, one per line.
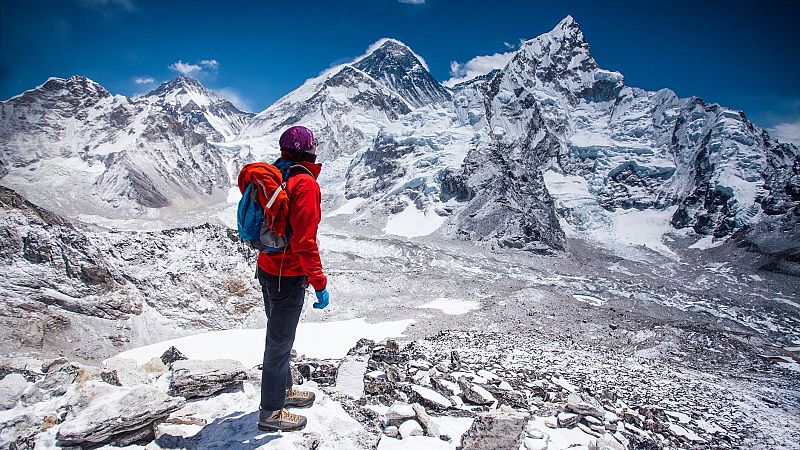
<point x="740" y="54"/>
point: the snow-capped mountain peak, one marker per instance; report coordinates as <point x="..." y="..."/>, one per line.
<point x="561" y="59"/>
<point x="82" y="90"/>
<point x="181" y="91"/>
<point x="187" y="100"/>
<point x="397" y="67"/>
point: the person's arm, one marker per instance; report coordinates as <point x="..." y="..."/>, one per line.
<point x="304" y="216"/>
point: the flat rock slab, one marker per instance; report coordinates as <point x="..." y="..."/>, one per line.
<point x="585" y="405"/>
<point x="500" y="428"/>
<point x="192" y="378"/>
<point x="113" y="412"/>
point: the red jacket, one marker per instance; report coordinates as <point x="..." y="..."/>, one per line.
<point x="302" y="256"/>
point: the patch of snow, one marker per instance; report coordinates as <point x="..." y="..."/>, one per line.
<point x="562" y="438"/>
<point x="349" y="207"/>
<point x="590" y="299"/>
<point x="327" y="340"/>
<point x="452" y="306"/>
<point x="706" y="243"/>
<point x="412" y="222"/>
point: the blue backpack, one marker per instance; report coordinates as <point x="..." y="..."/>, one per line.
<point x="262" y="216"/>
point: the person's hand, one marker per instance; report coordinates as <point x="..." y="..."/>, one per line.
<point x="323" y="298"/>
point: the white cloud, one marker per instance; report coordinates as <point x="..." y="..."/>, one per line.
<point x="144" y="80"/>
<point x="185" y="68"/>
<point x="786" y="132"/>
<point x="210" y="63"/>
<point x="188" y="69"/>
<point x="479" y="65"/>
<point x="413" y="2"/>
<point x="233" y="96"/>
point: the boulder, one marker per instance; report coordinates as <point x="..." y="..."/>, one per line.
<point x="54" y="384"/>
<point x="398" y="413"/>
<point x="566" y="419"/>
<point x="605" y="443"/>
<point x="427" y="397"/>
<point x="171" y="355"/>
<point x="118" y="415"/>
<point x="54" y="364"/>
<point x="375" y="383"/>
<point x="11" y="388"/>
<point x="351" y="370"/>
<point x="474" y="393"/>
<point x="391" y="431"/>
<point x="192" y="378"/>
<point x="127" y="371"/>
<point x="29" y="368"/>
<point x="155" y="367"/>
<point x="321" y="372"/>
<point x="411" y="428"/>
<point x="586" y="405"/>
<point x="500" y="428"/>
<point x="428" y="426"/>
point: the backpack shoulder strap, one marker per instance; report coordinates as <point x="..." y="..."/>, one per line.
<point x="300" y="167"/>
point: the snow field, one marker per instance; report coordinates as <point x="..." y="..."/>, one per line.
<point x="324" y="340"/>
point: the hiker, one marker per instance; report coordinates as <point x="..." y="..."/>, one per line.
<point x="284" y="276"/>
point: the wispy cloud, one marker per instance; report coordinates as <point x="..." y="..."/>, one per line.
<point x="189" y="69"/>
<point x="412" y="2"/>
<point x="479" y="65"/>
<point x="109" y="6"/>
<point x="210" y="63"/>
<point x="786" y="132"/>
<point x="144" y="80"/>
<point x="232" y="95"/>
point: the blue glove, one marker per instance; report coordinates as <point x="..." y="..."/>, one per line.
<point x="323" y="298"/>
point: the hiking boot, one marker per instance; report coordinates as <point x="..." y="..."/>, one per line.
<point x="280" y="420"/>
<point x="296" y="398"/>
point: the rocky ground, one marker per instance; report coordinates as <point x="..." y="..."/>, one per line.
<point x="598" y="346"/>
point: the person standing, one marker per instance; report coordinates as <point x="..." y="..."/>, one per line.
<point x="284" y="276"/>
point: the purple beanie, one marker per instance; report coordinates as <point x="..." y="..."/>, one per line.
<point x="298" y="138"/>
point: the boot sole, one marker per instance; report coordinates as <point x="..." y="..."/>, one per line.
<point x="298" y="405"/>
<point x="266" y="427"/>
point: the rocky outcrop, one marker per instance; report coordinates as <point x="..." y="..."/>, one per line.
<point x="192" y="378"/>
<point x="500" y="428"/>
<point x="77" y="290"/>
<point x="121" y="416"/>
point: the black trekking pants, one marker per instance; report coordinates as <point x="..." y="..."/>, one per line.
<point x="283" y="302"/>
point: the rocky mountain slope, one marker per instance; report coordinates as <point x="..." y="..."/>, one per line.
<point x="406" y="156"/>
<point x="471" y="162"/>
<point x="72" y="146"/>
<point x="191" y="103"/>
<point x="71" y="289"/>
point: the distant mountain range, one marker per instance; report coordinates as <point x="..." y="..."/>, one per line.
<point x="406" y="155"/>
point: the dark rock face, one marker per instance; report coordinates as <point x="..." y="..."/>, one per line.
<point x="395" y="66"/>
<point x="171" y="355"/>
